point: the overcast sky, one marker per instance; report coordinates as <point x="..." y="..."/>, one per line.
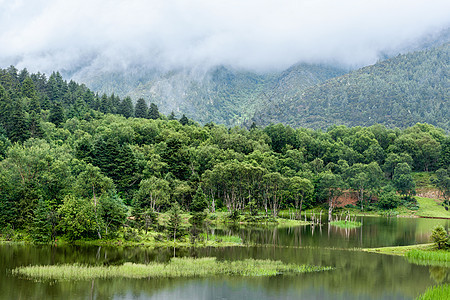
<point x="253" y="34"/>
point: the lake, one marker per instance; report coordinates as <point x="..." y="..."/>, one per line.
<point x="358" y="275"/>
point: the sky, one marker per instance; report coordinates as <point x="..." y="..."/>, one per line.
<point x="259" y="35"/>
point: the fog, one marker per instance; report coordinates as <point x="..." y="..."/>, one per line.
<point x="260" y="35"/>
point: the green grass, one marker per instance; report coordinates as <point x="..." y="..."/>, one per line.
<point x="436" y="292"/>
<point x="429" y="258"/>
<point x="399" y="250"/>
<point x="346" y="224"/>
<point x="177" y="267"/>
<point x="431" y="208"/>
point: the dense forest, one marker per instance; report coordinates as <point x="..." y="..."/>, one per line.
<point x="75" y="163"/>
<point x="397" y="92"/>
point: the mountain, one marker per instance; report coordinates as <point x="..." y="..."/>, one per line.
<point x="220" y="94"/>
<point x="397" y="92"/>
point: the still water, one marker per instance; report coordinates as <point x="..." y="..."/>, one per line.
<point x="358" y="275"/>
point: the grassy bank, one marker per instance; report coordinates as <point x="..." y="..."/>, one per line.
<point x="424" y="254"/>
<point x="177" y="267"/>
<point x="399" y="250"/>
<point x="436" y="292"/>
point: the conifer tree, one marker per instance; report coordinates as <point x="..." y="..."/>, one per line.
<point x="56" y="114"/>
<point x="153" y="112"/>
<point x="141" y="110"/>
<point x="172" y="116"/>
<point x="126" y="107"/>
<point x="184" y="120"/>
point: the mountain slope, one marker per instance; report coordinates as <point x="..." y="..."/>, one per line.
<point x="220" y="94"/>
<point x="398" y="92"/>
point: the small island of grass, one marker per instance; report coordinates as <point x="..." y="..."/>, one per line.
<point x="176" y="267"/>
<point x="346" y="224"/>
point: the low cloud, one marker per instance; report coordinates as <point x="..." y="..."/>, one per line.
<point x="254" y="34"/>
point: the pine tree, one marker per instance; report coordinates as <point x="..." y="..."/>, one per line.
<point x="41" y="230"/>
<point x="56" y="114"/>
<point x="28" y="88"/>
<point x="199" y="202"/>
<point x="105" y="105"/>
<point x="126" y="108"/>
<point x="173" y="226"/>
<point x="141" y="110"/>
<point x="172" y="116"/>
<point x="153" y="112"/>
<point x="17" y="126"/>
<point x="184" y="120"/>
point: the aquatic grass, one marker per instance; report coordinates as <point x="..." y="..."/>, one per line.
<point x="176" y="267"/>
<point x="346" y="224"/>
<point x="429" y="258"/>
<point x="436" y="292"/>
<point x="234" y="239"/>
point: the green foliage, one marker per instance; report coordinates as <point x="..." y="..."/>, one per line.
<point x="174" y="229"/>
<point x="199" y="202"/>
<point x="397" y="92"/>
<point x="41" y="228"/>
<point x="92" y="163"/>
<point x="440" y="237"/>
<point x="141" y="110"/>
<point x="78" y="219"/>
<point x="389" y="199"/>
<point x="403" y="180"/>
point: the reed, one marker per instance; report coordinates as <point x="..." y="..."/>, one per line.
<point x="429" y="258"/>
<point x="346" y="224"/>
<point x="176" y="267"/>
<point x="436" y="292"/>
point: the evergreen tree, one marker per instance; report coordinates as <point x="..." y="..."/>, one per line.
<point x="141" y="110"/>
<point x="199" y="203"/>
<point x="184" y="120"/>
<point x="172" y="116"/>
<point x="173" y="227"/>
<point x="105" y="105"/>
<point x="41" y="227"/>
<point x="153" y="112"/>
<point x="56" y="114"/>
<point x="126" y="108"/>
<point x="28" y="88"/>
<point x="17" y="126"/>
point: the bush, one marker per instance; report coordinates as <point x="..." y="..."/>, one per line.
<point x="389" y="200"/>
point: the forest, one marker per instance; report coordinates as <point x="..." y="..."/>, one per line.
<point x="81" y="165"/>
<point x="397" y="92"/>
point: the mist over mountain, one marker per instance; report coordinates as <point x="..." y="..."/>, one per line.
<point x="213" y="60"/>
<point x="397" y="92"/>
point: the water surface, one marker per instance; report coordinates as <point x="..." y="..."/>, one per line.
<point x="358" y="275"/>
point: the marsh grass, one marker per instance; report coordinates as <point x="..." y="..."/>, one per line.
<point x="429" y="258"/>
<point x="176" y="267"/>
<point x="224" y="239"/>
<point x="436" y="292"/>
<point x="346" y="224"/>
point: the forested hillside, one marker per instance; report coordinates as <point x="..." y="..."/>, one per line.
<point x="397" y="92"/>
<point x="221" y="95"/>
<point x="76" y="164"/>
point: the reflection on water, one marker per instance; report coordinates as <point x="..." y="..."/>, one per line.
<point x="358" y="275"/>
